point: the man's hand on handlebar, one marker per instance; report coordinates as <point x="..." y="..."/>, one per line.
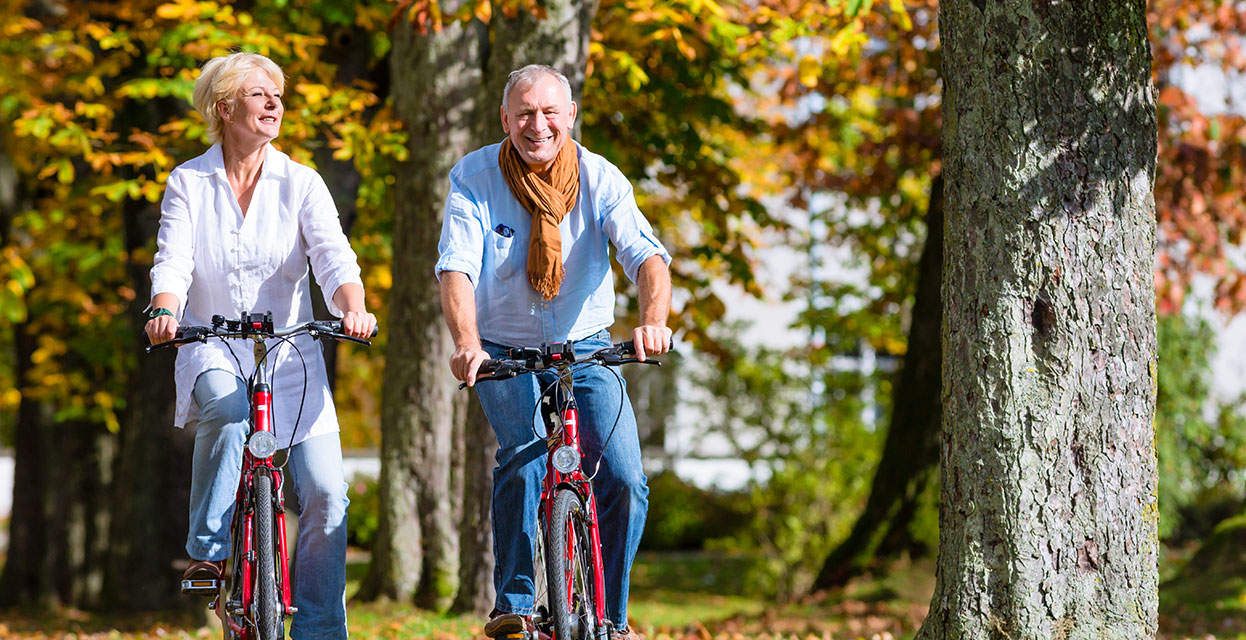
<point x="465" y="362"/>
<point x="161" y="329"/>
<point x="651" y="340"/>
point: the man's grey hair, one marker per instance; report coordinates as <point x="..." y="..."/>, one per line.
<point x="525" y="77"/>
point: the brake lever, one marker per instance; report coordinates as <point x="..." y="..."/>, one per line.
<point x="501" y="374"/>
<point x="615" y="361"/>
<point x="341" y="337"/>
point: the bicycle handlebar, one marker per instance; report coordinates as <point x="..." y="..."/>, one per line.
<point x="557" y="356"/>
<point x="245" y="329"/>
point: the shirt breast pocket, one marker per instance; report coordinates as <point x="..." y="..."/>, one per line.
<point x="507" y="259"/>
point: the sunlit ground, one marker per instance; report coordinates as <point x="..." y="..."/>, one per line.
<point x="692" y="596"/>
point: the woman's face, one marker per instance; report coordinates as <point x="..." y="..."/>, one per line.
<point x="257" y="110"/>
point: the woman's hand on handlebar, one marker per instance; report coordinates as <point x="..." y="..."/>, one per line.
<point x="358" y="324"/>
<point x="161" y="329"/>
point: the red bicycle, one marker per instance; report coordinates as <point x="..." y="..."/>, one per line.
<point x="254" y="600"/>
<point x="570" y="544"/>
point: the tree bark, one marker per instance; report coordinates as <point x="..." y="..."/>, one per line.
<point x="447" y="87"/>
<point x="476" y="592"/>
<point x="907" y="470"/>
<point x="436" y="79"/>
<point x="58" y="530"/>
<point x="26" y="579"/>
<point x="1049" y="511"/>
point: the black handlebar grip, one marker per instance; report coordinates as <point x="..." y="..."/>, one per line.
<point x="487" y="367"/>
<point x="627" y="348"/>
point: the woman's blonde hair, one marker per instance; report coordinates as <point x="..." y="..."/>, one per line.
<point x="221" y="78"/>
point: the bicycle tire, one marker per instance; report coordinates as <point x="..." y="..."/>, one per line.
<point x="267" y="614"/>
<point x="572" y="600"/>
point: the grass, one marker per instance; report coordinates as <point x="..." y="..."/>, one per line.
<point x="688" y="596"/>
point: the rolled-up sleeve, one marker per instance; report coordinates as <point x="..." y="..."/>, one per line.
<point x="332" y="260"/>
<point x="174" y="263"/>
<point x="632" y="235"/>
<point x="461" y="245"/>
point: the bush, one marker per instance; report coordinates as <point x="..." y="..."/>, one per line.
<point x="363" y="516"/>
<point x="683" y="517"/>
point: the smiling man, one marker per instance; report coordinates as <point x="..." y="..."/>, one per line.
<point x="525" y="261"/>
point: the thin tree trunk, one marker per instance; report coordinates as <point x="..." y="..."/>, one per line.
<point x="58" y="527"/>
<point x="1049" y="514"/>
<point x="910" y="461"/>
<point x="27" y="576"/>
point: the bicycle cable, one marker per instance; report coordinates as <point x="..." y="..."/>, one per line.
<point x="273" y="396"/>
<point x="571" y="371"/>
<point x="285" y="340"/>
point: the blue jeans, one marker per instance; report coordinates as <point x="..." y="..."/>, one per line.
<point x="315" y="468"/>
<point x="620" y="485"/>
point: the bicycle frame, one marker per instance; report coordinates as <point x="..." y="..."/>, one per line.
<point x="563" y="429"/>
<point x="238" y="609"/>
<point x="561" y="418"/>
<point x="261" y="397"/>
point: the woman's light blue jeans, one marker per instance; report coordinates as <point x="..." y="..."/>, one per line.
<point x="315" y="468"/>
<point x="620" y="486"/>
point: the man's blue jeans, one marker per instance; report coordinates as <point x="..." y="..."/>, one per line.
<point x="620" y="485"/>
<point x="315" y="468"/>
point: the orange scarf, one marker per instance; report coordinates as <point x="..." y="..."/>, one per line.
<point x="548" y="202"/>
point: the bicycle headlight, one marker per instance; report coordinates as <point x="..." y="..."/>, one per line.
<point x="263" y="444"/>
<point x="566" y="459"/>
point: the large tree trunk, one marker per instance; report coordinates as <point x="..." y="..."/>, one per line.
<point x="910" y="460"/>
<point x="151" y="492"/>
<point x="447" y="87"/>
<point x="435" y="78"/>
<point x="1048" y="519"/>
<point x="476" y="592"/>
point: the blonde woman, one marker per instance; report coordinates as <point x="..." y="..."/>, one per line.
<point x="238" y="227"/>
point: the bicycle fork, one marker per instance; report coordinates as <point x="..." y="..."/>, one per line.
<point x="563" y="430"/>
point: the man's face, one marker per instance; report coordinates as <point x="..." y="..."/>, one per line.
<point x="538" y="121"/>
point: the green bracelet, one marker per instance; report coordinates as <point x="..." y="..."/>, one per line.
<point x="157" y="312"/>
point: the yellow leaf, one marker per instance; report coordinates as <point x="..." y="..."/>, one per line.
<point x="171" y="11"/>
<point x="10" y="399"/>
<point x="847" y="39"/>
<point x="808" y="71"/>
<point x="313" y="93"/>
<point x="484" y="10"/>
<point x="897" y="7"/>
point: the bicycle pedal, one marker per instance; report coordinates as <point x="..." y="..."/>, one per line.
<point x="201" y="587"/>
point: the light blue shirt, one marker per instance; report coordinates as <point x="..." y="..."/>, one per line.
<point x="485" y="232"/>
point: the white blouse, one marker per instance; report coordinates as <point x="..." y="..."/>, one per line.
<point x="218" y="261"/>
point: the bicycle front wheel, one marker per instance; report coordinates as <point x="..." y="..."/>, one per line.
<point x="572" y="597"/>
<point x="267" y="607"/>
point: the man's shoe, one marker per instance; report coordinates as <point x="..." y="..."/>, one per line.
<point x="626" y="633"/>
<point x="508" y="625"/>
<point x="202" y="577"/>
